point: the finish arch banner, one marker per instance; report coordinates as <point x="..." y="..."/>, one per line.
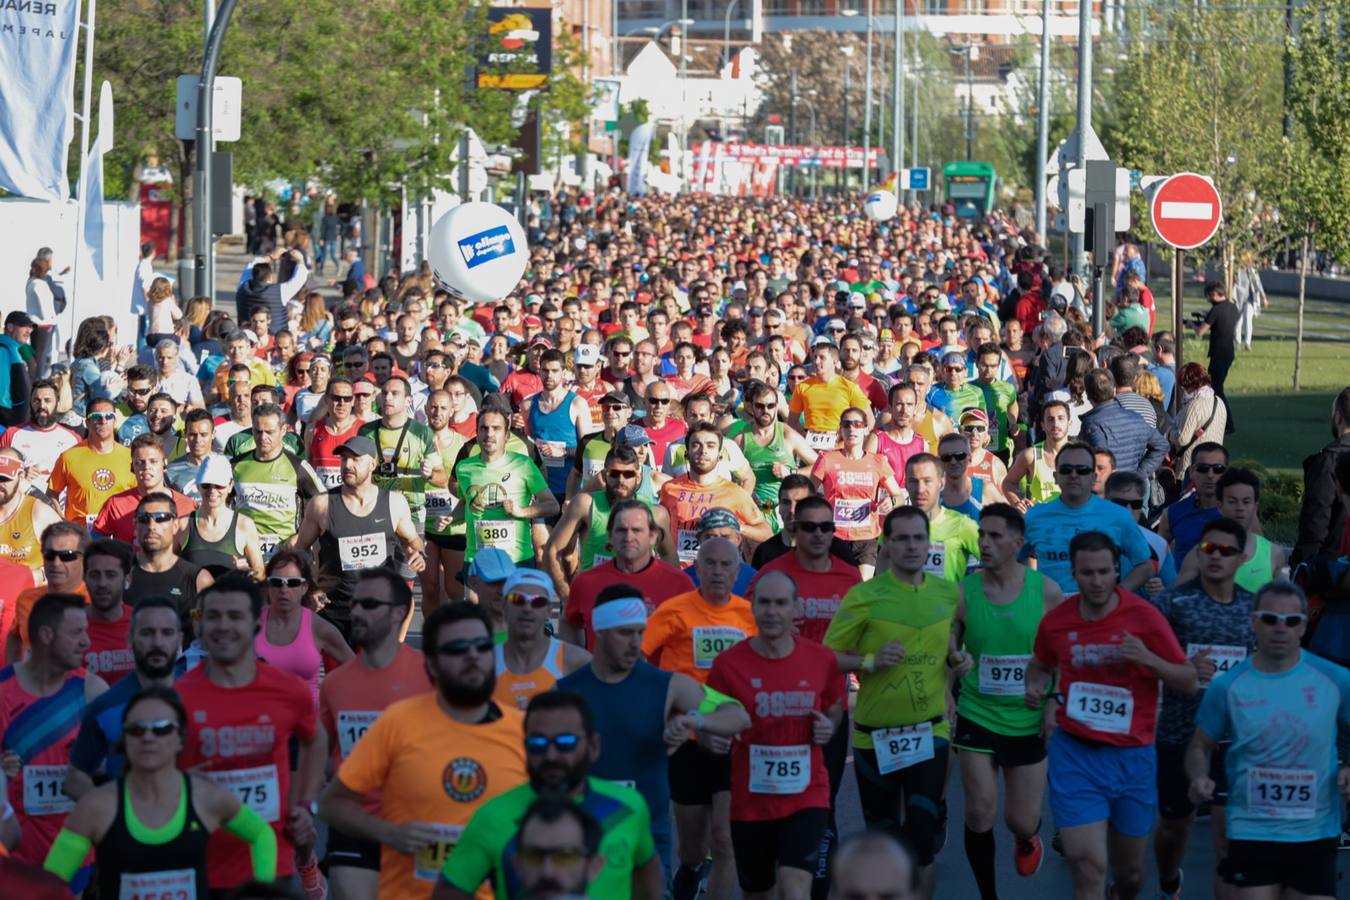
<point x="38" y="39"/>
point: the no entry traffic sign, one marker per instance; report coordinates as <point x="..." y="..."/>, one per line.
<point x="1186" y="210"/>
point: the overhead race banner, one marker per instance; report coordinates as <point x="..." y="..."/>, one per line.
<point x="37" y="95"/>
<point x="519" y="52"/>
<point x="825" y="157"/>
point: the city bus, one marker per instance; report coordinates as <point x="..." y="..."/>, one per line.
<point x="970" y="187"/>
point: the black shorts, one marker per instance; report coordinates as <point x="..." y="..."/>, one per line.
<point x="1174" y="801"/>
<point x="1308" y="867"/>
<point x="1008" y="751"/>
<point x="762" y="846"/>
<point x="448" y="541"/>
<point x="354" y="853"/>
<point x="696" y="774"/>
<point x="906" y="803"/>
<point x="864" y="552"/>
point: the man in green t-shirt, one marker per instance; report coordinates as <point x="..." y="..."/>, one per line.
<point x="272" y="484"/>
<point x="954" y="538"/>
<point x="1000" y="401"/>
<point x="560" y="747"/>
<point x="408" y="460"/>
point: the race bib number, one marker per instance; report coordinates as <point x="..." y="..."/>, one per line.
<point x="42" y="795"/>
<point x="329" y="476"/>
<point x="1282" y="793"/>
<point x="935" y="563"/>
<point x="625" y="782"/>
<point x="1225" y="656"/>
<point x="256" y="788"/>
<point x="429" y="860"/>
<point x="851" y="513"/>
<point x="501" y="534"/>
<point x="687" y="545"/>
<point x="553" y="453"/>
<point x="779" y="770"/>
<point x="269" y="544"/>
<point x="439" y="502"/>
<point x="1101" y="707"/>
<point x="352" y="725"/>
<point x="362" y="551"/>
<point x="176" y="884"/>
<point x="710" y="640"/>
<point x="900" y="748"/>
<point x="821" y="441"/>
<point x="1003" y="676"/>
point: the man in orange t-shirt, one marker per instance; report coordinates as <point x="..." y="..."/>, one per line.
<point x="687" y="497"/>
<point x="63" y="546"/>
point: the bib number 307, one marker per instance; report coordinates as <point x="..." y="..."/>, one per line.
<point x="1101" y="707"/>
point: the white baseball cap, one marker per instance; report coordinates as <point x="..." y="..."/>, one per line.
<point x="215" y="470"/>
<point x="586" y="355"/>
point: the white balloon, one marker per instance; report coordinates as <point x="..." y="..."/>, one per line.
<point x="880" y="206"/>
<point x="478" y="251"/>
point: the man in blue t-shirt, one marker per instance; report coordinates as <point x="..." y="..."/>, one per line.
<point x="1051" y="525"/>
<point x="1281" y="708"/>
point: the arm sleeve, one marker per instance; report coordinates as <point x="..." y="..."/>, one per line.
<point x="712" y="699"/>
<point x="471" y="861"/>
<point x="248" y="826"/>
<point x="291" y="286"/>
<point x="67" y="852"/>
<point x="1154" y="455"/>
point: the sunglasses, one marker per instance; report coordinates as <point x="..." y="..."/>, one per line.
<point x="1132" y="504"/>
<point x="975" y="429"/>
<point x="102" y="417"/>
<point x="533" y="601"/>
<point x="765" y="407"/>
<point x="1075" y="470"/>
<point x="158" y="727"/>
<point x="302" y="371"/>
<point x="341" y="398"/>
<point x="159" y="518"/>
<point x="464" y="646"/>
<point x="611" y="407"/>
<point x="853" y="424"/>
<point x="1207" y="468"/>
<point x="278" y="581"/>
<point x="140" y="392"/>
<point x="659" y="401"/>
<point x="955" y="457"/>
<point x="1288" y="620"/>
<point x="1210" y="548"/>
<point x="813" y="527"/>
<point x="621" y="473"/>
<point x="953" y="368"/>
<point x="435" y="365"/>
<point x="63" y="555"/>
<point x="566" y="742"/>
<point x="370" y="604"/>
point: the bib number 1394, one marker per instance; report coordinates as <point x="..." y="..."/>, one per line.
<point x="1101" y="707"/>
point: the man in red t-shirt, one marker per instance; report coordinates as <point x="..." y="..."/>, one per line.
<point x="780" y="790"/>
<point x="117" y="518"/>
<point x="242" y="714"/>
<point x="107" y="565"/>
<point x="1110" y="649"/>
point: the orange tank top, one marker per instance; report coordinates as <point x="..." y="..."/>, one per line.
<point x="18" y="542"/>
<point x="515" y="690"/>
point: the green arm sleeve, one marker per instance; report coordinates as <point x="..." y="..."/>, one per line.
<point x="68" y="851"/>
<point x="713" y="699"/>
<point x="249" y="826"/>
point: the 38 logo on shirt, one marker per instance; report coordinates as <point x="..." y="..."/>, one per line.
<point x="464" y="779"/>
<point x="784" y="703"/>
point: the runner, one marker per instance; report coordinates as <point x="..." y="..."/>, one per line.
<point x="660" y="425"/>
<point x="43" y="439"/>
<point x="961" y="492"/>
<point x="818" y="402"/>
<point x="117" y="518"/>
<point x="773" y="450"/>
<point x="353" y="696"/>
<point x="217" y="538"/>
<point x="1031" y="477"/>
<point x="687" y="497"/>
<point x="780" y="789"/>
<point x="107" y="567"/>
<point x="1286" y="787"/>
<point x="290" y="635"/>
<point x="996" y="622"/>
<point x="560" y="747"/>
<point x="954" y="546"/>
<point x="1239" y="496"/>
<point x="271" y="483"/>
<point x="852" y="480"/>
<point x="149" y="828"/>
<point x="929" y="421"/>
<point x="556" y="418"/>
<point x="896" y="440"/>
<point x="157" y="568"/>
<point x="557" y="849"/>
<point x="589" y="386"/>
<point x="999" y="400"/>
<point x="1108" y="651"/>
<point x="615" y="410"/>
<point x="62" y="552"/>
<point x="531" y="661"/>
<point x="1182" y="522"/>
<point x="338" y="425"/>
<point x="91" y="471"/>
<point x="894" y="631"/>
<point x="407" y="461"/>
<point x="434" y="758"/>
<point x="1127" y="490"/>
<point x="984" y="465"/>
<point x="955" y="395"/>
<point x="1212" y="619"/>
<point x="198" y="434"/>
<point x="242" y="716"/>
<point x="444" y="536"/>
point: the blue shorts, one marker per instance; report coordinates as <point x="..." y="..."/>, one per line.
<point x="1095" y="782"/>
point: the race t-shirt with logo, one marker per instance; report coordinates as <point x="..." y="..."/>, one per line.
<point x="89" y="479"/>
<point x="1282" y="761"/>
<point x="686" y="501"/>
<point x="686" y="633"/>
<point x="762" y="458"/>
<point x="413" y="445"/>
<point x="658" y="582"/>
<point x="1105" y="698"/>
<point x="953" y="545"/>
<point x="663" y="437"/>
<point x="851" y="486"/>
<point x="109" y="654"/>
<point x="433" y="770"/>
<point x="1050" y="526"/>
<point x="820" y="593"/>
<point x="323" y="452"/>
<point x="1202" y="623"/>
<point x="777" y="768"/>
<point x="272" y="494"/>
<point x="240" y="739"/>
<point x="484" y="487"/>
<point x="41" y="447"/>
<point x="999" y="396"/>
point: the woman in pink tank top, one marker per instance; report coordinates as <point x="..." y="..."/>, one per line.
<point x="290" y="636"/>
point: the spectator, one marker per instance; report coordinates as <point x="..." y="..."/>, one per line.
<point x="1111" y="425"/>
<point x="1321" y="521"/>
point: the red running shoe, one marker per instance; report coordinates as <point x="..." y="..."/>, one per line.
<point x="1028" y="855"/>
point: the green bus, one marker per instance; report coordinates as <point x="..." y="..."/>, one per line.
<point x="970" y="187"/>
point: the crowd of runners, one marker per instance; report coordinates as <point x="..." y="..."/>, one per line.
<point x="725" y="498"/>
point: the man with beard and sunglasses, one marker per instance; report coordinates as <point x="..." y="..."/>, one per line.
<point x="561" y="745"/>
<point x="353" y="696"/>
<point x="435" y="758"/>
<point x="155" y="637"/>
<point x="42" y="439"/>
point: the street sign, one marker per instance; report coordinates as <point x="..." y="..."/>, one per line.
<point x="1186" y="210"/>
<point x="916" y="179"/>
<point x="1066" y="154"/>
<point x="225" y="108"/>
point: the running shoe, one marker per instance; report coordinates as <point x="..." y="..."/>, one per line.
<point x="1174" y="895"/>
<point x="312" y="882"/>
<point x="1028" y="855"/>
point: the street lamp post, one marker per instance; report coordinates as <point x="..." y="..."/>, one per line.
<point x="726" y="33"/>
<point x="815" y="140"/>
<point x="898" y="92"/>
<point x="204" y="273"/>
<point x="847" y="50"/>
<point x="966" y="50"/>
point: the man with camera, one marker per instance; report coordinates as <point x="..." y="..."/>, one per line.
<point x="1221" y="324"/>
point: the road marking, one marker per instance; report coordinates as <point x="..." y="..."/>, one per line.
<point x="1177" y="209"/>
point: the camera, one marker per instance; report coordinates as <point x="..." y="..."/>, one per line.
<point x="386" y="470"/>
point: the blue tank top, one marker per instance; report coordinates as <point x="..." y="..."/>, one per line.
<point x="630" y="717"/>
<point x="972" y="505"/>
<point x="1187" y="522"/>
<point x="555" y="428"/>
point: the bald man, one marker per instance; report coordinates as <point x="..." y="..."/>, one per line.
<point x="873" y="866"/>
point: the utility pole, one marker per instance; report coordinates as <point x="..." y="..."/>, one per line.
<point x="914" y="135"/>
<point x="867" y="106"/>
<point x="792" y="129"/>
<point x="898" y="94"/>
<point x="1084" y="110"/>
<point x="848" y="67"/>
<point x="204" y="269"/>
<point x="1043" y="120"/>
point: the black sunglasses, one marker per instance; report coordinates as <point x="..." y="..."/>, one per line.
<point x="370" y="604"/>
<point x="955" y="457"/>
<point x="158" y="518"/>
<point x="462" y="646"/>
<point x="813" y="527"/>
<point x="1132" y="504"/>
<point x="157" y="727"/>
<point x="1207" y="468"/>
<point x="1075" y="470"/>
<point x="63" y="555"/>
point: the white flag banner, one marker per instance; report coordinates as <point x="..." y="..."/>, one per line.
<point x="639" y="142"/>
<point x="91" y="195"/>
<point x="37" y="93"/>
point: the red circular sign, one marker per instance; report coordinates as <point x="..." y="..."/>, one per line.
<point x="1186" y="210"/>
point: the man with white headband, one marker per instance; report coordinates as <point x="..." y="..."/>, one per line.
<point x="640" y="710"/>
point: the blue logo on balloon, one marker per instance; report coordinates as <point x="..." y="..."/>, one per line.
<point x="486" y="246"/>
<point x="874" y="198"/>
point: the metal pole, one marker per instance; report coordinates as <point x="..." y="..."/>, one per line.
<point x="684" y="96"/>
<point x="726" y="33"/>
<point x="914" y="134"/>
<point x="792" y="129"/>
<point x="1043" y="120"/>
<point x="970" y="107"/>
<point x="867" y="105"/>
<point x="848" y="141"/>
<point x="1084" y="108"/>
<point x="1178" y="317"/>
<point x="204" y="275"/>
<point x="898" y="94"/>
<point x="84" y="178"/>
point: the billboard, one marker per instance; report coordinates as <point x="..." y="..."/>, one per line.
<point x="519" y="52"/>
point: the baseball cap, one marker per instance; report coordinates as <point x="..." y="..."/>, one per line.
<point x="359" y="445"/>
<point x="491" y="564"/>
<point x="974" y="415"/>
<point x="886" y="335"/>
<point x="529" y="580"/>
<point x="540" y="340"/>
<point x="20" y="318"/>
<point x="857" y="301"/>
<point x="10" y="467"/>
<point x="822" y="339"/>
<point x="363" y="386"/>
<point x="587" y="355"/>
<point x="718" y="517"/>
<point x="632" y="436"/>
<point x="615" y="397"/>
<point x="943" y="304"/>
<point x="533" y="322"/>
<point x="215" y="470"/>
<point x="836" y="325"/>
